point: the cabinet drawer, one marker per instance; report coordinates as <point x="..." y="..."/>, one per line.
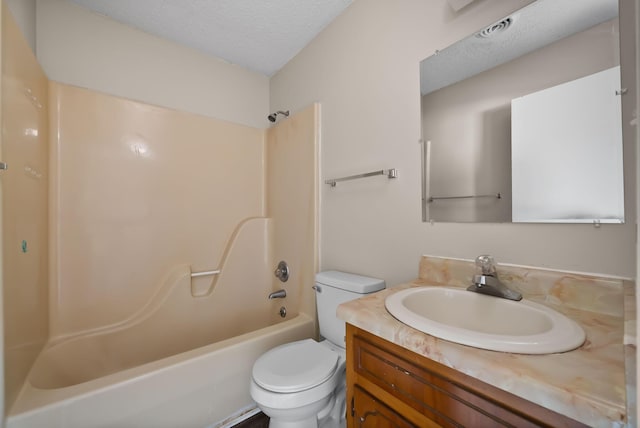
<point x="368" y="412"/>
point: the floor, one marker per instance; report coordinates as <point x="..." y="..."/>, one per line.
<point x="259" y="420"/>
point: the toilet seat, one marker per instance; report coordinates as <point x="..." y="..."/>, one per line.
<point x="295" y="367"/>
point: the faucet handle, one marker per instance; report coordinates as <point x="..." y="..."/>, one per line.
<point x="282" y="271"/>
<point x="485" y="265"/>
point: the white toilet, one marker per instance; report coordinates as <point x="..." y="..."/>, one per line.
<point x="302" y="384"/>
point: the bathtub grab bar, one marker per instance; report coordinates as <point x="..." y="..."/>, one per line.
<point x="196" y="290"/>
<point x="206" y="273"/>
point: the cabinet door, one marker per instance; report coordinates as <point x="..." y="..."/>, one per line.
<point x="369" y="412"/>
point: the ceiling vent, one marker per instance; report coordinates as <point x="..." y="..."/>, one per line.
<point x="495" y="29"/>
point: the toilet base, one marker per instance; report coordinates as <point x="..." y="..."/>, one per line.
<point x="300" y="417"/>
<point x="332" y="423"/>
<point x="312" y="423"/>
<point x="328" y="423"/>
<point x="332" y="416"/>
<point x="307" y="423"/>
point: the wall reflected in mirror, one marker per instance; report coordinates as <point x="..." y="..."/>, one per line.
<point x="514" y="79"/>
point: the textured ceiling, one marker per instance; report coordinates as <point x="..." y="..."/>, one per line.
<point x="260" y="35"/>
<point x="534" y="26"/>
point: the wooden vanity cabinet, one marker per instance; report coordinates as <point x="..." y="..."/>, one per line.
<point x="389" y="386"/>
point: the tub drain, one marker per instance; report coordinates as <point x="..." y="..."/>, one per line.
<point x="283" y="312"/>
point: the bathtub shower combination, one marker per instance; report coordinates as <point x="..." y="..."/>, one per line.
<point x="138" y="292"/>
<point x="126" y="350"/>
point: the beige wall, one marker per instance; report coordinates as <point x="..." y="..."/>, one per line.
<point x="80" y="48"/>
<point x="24" y="207"/>
<point x="140" y="190"/>
<point x="364" y="70"/>
<point x="367" y="81"/>
<point x="469" y="123"/>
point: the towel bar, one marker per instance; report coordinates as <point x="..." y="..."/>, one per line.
<point x="390" y="173"/>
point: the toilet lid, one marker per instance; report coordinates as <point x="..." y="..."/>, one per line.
<point x="295" y="366"/>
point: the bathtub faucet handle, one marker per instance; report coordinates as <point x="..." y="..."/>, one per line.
<point x="282" y="271"/>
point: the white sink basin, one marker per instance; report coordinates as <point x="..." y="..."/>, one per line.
<point x="485" y="322"/>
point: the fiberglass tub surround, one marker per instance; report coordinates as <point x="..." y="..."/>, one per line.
<point x="586" y="384"/>
<point x="25" y="196"/>
<point x="146" y="197"/>
<point x="162" y="328"/>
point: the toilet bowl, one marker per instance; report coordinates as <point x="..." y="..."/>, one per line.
<point x="295" y="384"/>
<point x="302" y="384"/>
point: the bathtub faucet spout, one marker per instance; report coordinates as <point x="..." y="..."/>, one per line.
<point x="280" y="294"/>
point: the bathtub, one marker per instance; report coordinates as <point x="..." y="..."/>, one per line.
<point x="184" y="359"/>
<point x="204" y="387"/>
<point x="180" y="361"/>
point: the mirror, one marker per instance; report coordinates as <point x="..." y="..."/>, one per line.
<point x="521" y="121"/>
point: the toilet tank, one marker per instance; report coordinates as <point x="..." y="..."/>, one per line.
<point x="332" y="289"/>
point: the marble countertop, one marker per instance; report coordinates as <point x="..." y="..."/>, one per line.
<point x="587" y="384"/>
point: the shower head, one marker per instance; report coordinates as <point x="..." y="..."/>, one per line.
<point x="273" y="116"/>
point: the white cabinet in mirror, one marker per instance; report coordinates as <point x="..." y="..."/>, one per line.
<point x="473" y="172"/>
<point x="566" y="152"/>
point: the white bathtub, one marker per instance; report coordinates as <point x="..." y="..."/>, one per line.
<point x="203" y="387"/>
<point x="180" y="361"/>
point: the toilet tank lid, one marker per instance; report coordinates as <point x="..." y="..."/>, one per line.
<point x="350" y="282"/>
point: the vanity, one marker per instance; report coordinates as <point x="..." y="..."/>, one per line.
<point x="399" y="376"/>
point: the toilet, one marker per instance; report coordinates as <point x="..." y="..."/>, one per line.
<point x="302" y="384"/>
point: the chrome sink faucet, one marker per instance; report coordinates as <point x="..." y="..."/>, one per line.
<point x="486" y="281"/>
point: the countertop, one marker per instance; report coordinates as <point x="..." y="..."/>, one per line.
<point x="587" y="384"/>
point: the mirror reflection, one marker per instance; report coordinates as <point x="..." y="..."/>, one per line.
<point x="521" y="122"/>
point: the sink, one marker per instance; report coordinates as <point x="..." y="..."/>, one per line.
<point x="485" y="322"/>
